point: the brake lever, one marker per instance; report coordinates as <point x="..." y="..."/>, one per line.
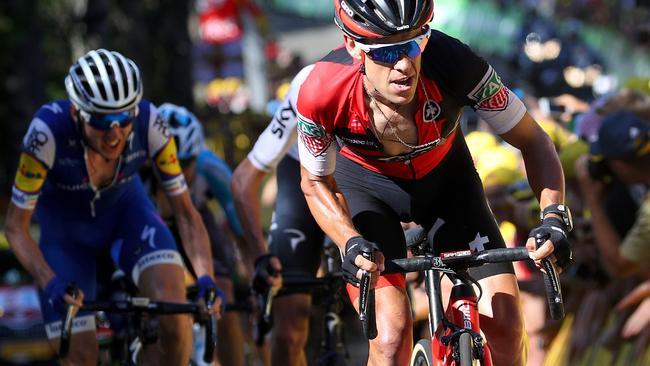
<point x="66" y="326"/>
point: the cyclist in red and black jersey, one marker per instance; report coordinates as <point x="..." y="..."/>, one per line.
<point x="392" y="97"/>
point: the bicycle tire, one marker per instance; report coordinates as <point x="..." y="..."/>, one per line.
<point x="466" y="349"/>
<point x="422" y="355"/>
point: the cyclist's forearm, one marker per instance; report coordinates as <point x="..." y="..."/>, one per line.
<point x="26" y="249"/>
<point x="542" y="163"/>
<point x="249" y="212"/>
<point x="196" y="242"/>
<point x="246" y="181"/>
<point x="328" y="206"/>
<point x="545" y="176"/>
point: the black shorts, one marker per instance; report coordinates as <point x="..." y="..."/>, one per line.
<point x="450" y="199"/>
<point x="295" y="237"/>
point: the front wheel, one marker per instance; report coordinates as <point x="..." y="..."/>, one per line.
<point x="421" y="355"/>
<point x="466" y="350"/>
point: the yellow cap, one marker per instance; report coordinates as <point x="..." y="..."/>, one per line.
<point x="479" y="141"/>
<point x="495" y="158"/>
<point x="502" y="176"/>
<point x="641" y="84"/>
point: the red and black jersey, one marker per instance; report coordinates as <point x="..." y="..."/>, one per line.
<point x="331" y="104"/>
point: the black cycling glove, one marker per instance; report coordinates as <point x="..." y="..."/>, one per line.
<point x="354" y="247"/>
<point x="263" y="270"/>
<point x="553" y="229"/>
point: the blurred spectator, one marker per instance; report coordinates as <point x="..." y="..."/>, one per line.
<point x="626" y="99"/>
<point x="624" y="144"/>
<point x="219" y="53"/>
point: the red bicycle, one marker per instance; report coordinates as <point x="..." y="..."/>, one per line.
<point x="456" y="334"/>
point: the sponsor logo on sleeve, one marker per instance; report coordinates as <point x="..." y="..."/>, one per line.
<point x="279" y="122"/>
<point x="30" y="175"/>
<point x="167" y="161"/>
<point x="313" y="136"/>
<point x="492" y="95"/>
<point x="35" y="140"/>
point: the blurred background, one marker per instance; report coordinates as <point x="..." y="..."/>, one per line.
<point x="229" y="61"/>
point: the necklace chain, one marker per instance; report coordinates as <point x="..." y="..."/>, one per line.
<point x="389" y="120"/>
<point x="392" y="128"/>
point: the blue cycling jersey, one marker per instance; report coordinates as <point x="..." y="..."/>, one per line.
<point x="78" y="220"/>
<point x="53" y="169"/>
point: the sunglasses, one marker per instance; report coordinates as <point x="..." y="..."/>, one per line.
<point x="106" y="121"/>
<point x="390" y="53"/>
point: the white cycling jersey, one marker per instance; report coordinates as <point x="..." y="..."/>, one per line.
<point x="280" y="136"/>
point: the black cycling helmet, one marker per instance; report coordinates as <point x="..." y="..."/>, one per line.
<point x="361" y="19"/>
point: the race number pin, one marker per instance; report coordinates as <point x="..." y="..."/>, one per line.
<point x="430" y="111"/>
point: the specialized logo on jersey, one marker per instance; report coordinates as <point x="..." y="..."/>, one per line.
<point x="167" y="161"/>
<point x="491" y="95"/>
<point x="430" y="111"/>
<point x="313" y="136"/>
<point x="30" y="175"/>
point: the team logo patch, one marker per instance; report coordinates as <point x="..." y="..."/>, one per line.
<point x="492" y="95"/>
<point x="430" y="111"/>
<point x="167" y="161"/>
<point x="313" y="136"/>
<point x="30" y="175"/>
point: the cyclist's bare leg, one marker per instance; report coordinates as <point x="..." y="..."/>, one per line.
<point x="290" y="329"/>
<point x="502" y="320"/>
<point x="230" y="349"/>
<point x="164" y="282"/>
<point x="394" y="340"/>
<point x="83" y="349"/>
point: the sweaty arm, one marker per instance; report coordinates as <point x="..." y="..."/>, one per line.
<point x="545" y="177"/>
<point x="328" y="206"/>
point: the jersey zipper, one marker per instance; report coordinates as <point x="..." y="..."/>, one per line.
<point x="411" y="168"/>
<point x="97" y="191"/>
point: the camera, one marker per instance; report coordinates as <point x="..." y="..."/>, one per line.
<point x="599" y="170"/>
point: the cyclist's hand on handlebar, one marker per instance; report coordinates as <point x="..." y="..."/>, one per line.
<point x="354" y="263"/>
<point x="58" y="297"/>
<point x="204" y="284"/>
<point x="555" y="246"/>
<point x="268" y="273"/>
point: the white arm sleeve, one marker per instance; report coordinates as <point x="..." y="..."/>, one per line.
<point x="281" y="133"/>
<point x="496" y="104"/>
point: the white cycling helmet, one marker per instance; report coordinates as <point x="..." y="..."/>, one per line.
<point x="103" y="81"/>
<point x="185" y="128"/>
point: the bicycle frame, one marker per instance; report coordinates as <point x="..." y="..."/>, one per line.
<point x="458" y="326"/>
<point x="461" y="316"/>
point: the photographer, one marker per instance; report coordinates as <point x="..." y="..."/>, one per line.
<point x="622" y="148"/>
